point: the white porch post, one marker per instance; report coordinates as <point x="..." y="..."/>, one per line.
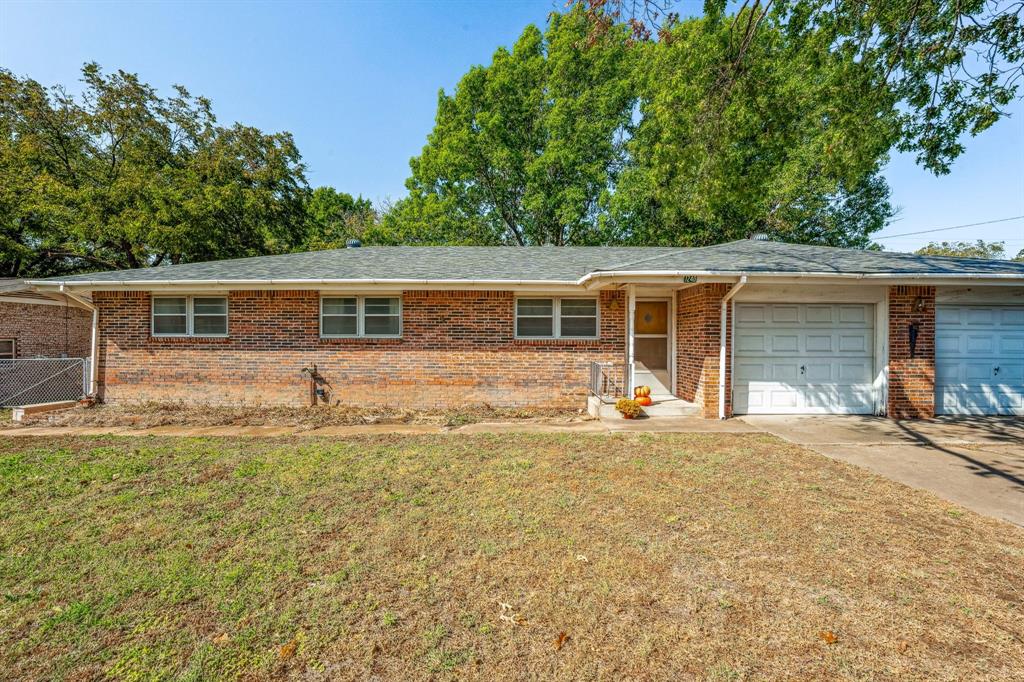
<point x="630" y="314"/>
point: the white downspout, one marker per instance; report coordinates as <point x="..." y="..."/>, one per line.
<point x="94" y="341"/>
<point x="721" y="350"/>
<point x="630" y="314"/>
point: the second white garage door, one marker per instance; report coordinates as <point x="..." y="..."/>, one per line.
<point x="810" y="358"/>
<point x="979" y="359"/>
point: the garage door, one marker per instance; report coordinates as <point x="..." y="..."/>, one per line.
<point x="979" y="359"/>
<point x="804" y="358"/>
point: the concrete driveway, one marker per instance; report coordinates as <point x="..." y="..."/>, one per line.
<point x="977" y="462"/>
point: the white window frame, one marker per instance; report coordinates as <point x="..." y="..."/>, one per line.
<point x="14" y="348"/>
<point x="361" y="317"/>
<point x="556" y="311"/>
<point x="189" y="314"/>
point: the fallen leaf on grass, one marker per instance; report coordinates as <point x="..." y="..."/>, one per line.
<point x="287" y="650"/>
<point x="828" y="636"/>
<point x="903" y="646"/>
<point x="560" y="640"/>
<point x="583" y="558"/>
<point x="221" y="639"/>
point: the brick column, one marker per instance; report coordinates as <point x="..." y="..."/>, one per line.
<point x="698" y="323"/>
<point x="911" y="379"/>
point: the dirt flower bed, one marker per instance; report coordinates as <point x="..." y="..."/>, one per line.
<point x="148" y="415"/>
<point x="491" y="557"/>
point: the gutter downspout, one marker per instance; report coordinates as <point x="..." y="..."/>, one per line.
<point x="721" y="351"/>
<point x="94" y="369"/>
<point x="630" y="343"/>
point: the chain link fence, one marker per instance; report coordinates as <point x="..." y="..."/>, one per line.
<point x="27" y="381"/>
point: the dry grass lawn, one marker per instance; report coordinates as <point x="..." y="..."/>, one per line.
<point x="491" y="557"/>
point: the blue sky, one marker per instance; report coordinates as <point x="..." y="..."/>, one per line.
<point x="357" y="83"/>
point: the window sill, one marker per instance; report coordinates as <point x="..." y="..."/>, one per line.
<point x="357" y="340"/>
<point x="561" y="341"/>
<point x="189" y="339"/>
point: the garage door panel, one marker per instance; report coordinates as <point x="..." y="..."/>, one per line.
<point x="854" y="343"/>
<point x="819" y="343"/>
<point x="1011" y="344"/>
<point x="784" y="372"/>
<point x="817" y="372"/>
<point x="817" y="314"/>
<point x="751" y="371"/>
<point x="804" y="358"/>
<point x="782" y="314"/>
<point x="975" y="316"/>
<point x="855" y="372"/>
<point x="947" y="344"/>
<point x="750" y="343"/>
<point x="980" y="359"/>
<point x="980" y="344"/>
<point x="785" y="343"/>
<point x="1010" y="317"/>
<point x="854" y="314"/>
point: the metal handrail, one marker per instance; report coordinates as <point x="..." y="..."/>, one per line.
<point x="607" y="380"/>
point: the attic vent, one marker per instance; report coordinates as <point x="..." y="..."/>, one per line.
<point x="760" y="237"/>
<point x="353" y="244"/>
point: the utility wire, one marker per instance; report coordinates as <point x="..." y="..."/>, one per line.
<point x="955" y="227"/>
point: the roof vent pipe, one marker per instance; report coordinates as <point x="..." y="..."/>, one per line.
<point x="353" y="244"/>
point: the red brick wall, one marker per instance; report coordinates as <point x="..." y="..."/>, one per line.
<point x="46" y="330"/>
<point x="911" y="380"/>
<point x="698" y="323"/>
<point x="456" y="347"/>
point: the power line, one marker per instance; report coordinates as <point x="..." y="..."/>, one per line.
<point x="955" y="227"/>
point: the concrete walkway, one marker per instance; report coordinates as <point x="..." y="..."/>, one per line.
<point x="977" y="462"/>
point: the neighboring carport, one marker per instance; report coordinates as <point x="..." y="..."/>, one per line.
<point x="977" y="462"/>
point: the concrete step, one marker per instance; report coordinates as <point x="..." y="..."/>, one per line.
<point x="661" y="408"/>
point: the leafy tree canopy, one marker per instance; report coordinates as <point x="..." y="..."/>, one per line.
<point x="953" y="66"/>
<point x="120" y="177"/>
<point x="571" y="139"/>
<point x="976" y="249"/>
<point x="526" y="149"/>
<point x="333" y="217"/>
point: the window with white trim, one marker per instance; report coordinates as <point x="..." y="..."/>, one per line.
<point x="190" y="316"/>
<point x="554" y="318"/>
<point x="7" y="349"/>
<point x="361" y="316"/>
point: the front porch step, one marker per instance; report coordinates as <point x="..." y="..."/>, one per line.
<point x="673" y="407"/>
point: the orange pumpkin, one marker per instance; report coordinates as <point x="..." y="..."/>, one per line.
<point x="644" y="400"/>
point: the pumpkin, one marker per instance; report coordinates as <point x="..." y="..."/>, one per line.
<point x="644" y="400"/>
<point x="642" y="390"/>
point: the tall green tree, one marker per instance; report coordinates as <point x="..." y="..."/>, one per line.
<point x="120" y="177"/>
<point x="526" y="149"/>
<point x="953" y="65"/>
<point x="790" y="144"/>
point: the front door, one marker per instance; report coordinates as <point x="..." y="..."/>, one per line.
<point x="650" y="346"/>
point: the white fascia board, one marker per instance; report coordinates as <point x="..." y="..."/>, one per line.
<point x="853" y="277"/>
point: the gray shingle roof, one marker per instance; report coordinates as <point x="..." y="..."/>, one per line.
<point x="758" y="256"/>
<point x="548" y="263"/>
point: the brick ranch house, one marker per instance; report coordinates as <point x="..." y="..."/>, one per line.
<point x="744" y="327"/>
<point x="33" y="324"/>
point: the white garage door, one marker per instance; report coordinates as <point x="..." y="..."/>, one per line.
<point x="808" y="358"/>
<point x="979" y="359"/>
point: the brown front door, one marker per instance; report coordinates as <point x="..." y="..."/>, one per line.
<point x="650" y="335"/>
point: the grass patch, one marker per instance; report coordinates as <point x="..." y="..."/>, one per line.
<point x="718" y="556"/>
